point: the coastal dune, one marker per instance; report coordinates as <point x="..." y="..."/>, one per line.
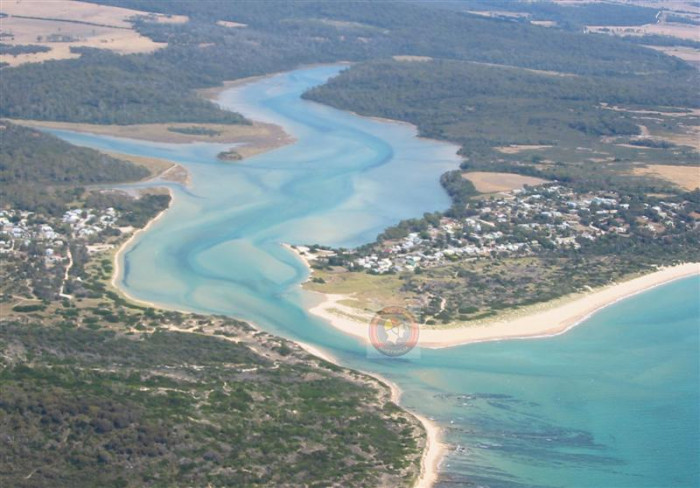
<point x="549" y="320"/>
<point x="434" y="450"/>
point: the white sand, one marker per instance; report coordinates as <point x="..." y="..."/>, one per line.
<point x="118" y="259"/>
<point x="433" y="453"/>
<point x="543" y="323"/>
<point x="552" y="321"/>
<point x="434" y="449"/>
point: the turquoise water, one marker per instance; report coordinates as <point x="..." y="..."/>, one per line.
<point x="612" y="403"/>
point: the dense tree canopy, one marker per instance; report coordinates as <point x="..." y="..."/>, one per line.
<point x="481" y="105"/>
<point x="40" y="172"/>
<point x="106" y="88"/>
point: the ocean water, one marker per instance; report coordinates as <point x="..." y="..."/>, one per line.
<point x="612" y="403"/>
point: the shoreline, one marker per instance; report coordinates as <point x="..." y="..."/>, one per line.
<point x="403" y="123"/>
<point x="247" y="140"/>
<point x="117" y="259"/>
<point x="434" y="450"/>
<point x="552" y="320"/>
<point x="300" y="256"/>
<point x="212" y="93"/>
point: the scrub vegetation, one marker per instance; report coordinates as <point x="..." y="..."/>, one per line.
<point x="97" y="390"/>
<point x="484" y="107"/>
<point x="100" y="391"/>
<point x="588" y="138"/>
<point x="116" y="407"/>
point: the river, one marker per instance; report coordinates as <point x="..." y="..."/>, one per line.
<point x="612" y="403"/>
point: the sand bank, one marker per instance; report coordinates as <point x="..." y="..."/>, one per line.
<point x="548" y="321"/>
<point x="250" y="140"/>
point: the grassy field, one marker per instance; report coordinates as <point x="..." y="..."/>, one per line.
<point x="486" y="182"/>
<point x="62" y="24"/>
<point x="154" y="165"/>
<point x="519" y="148"/>
<point x="470" y="293"/>
<point x="686" y="177"/>
<point x="681" y="31"/>
<point x="366" y="292"/>
<point x="688" y="54"/>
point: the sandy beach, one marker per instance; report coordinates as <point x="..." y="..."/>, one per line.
<point x="433" y="453"/>
<point x="434" y="449"/>
<point x="549" y="320"/>
<point x="117" y="260"/>
<point x="304" y="258"/>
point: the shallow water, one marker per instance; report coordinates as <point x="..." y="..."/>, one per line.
<point x="612" y="403"/>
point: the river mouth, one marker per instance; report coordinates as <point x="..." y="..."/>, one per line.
<point x="550" y="412"/>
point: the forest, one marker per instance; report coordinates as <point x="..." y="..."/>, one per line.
<point x="105" y="88"/>
<point x="481" y="106"/>
<point x="32" y="156"/>
<point x="325" y="31"/>
<point x="15" y="50"/>
<point x="40" y="172"/>
<point x="659" y="40"/>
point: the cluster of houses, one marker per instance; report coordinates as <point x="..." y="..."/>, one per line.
<point x="519" y="223"/>
<point x="86" y="223"/>
<point x="18" y="230"/>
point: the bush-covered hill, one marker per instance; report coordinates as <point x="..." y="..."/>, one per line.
<point x="91" y="408"/>
<point x="32" y="156"/>
<point x="481" y="106"/>
<point x="41" y="172"/>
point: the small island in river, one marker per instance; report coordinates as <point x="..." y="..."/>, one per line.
<point x="230" y="155"/>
